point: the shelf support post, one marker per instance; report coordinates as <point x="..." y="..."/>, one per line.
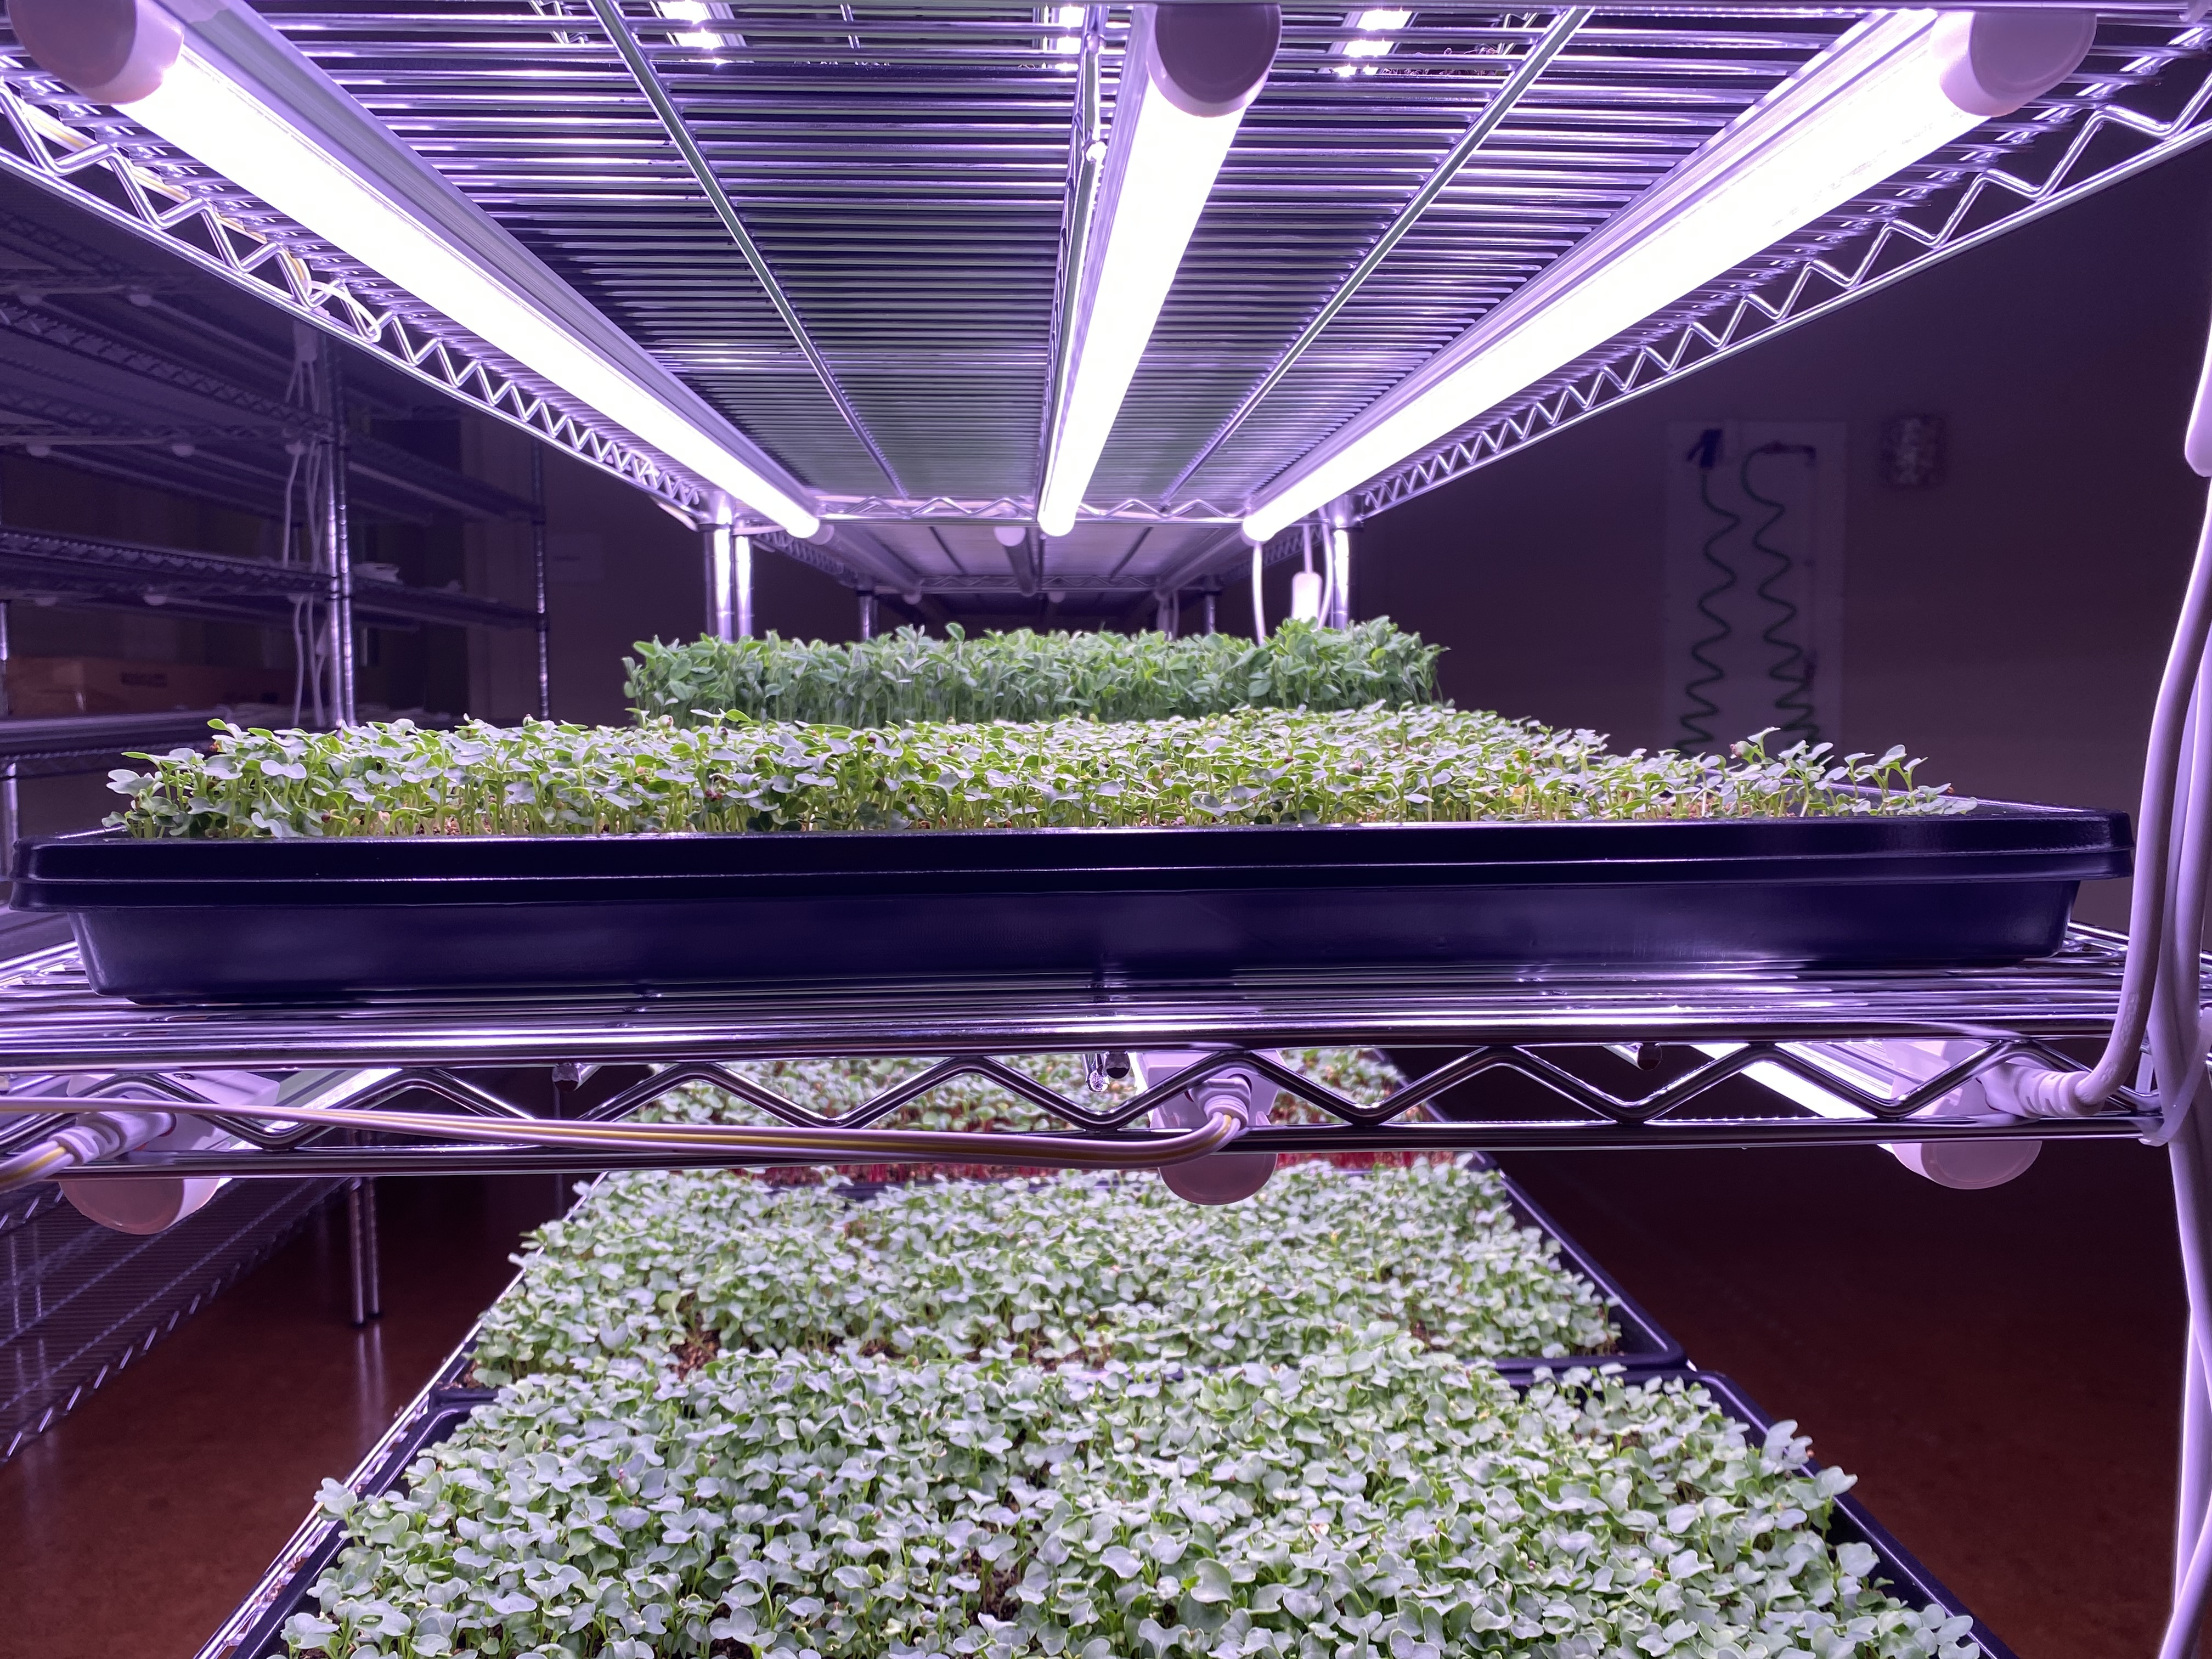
<point x="1336" y="558"/>
<point x="729" y="577"/>
<point x="741" y="554"/>
<point x="338" y="537"/>
<point x="538" y="557"/>
<point x="10" y="816"/>
<point x="364" y="1282"/>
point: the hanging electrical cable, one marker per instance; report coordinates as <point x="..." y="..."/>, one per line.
<point x="295" y="448"/>
<point x="2177" y="1040"/>
<point x="2158" y="1039"/>
<point x="1697" y="722"/>
<point x="2034" y="1091"/>
<point x="1227" y="1116"/>
<point x="2192" y="1203"/>
<point x="308" y="474"/>
<point x="1789" y="668"/>
<point x="88" y="1138"/>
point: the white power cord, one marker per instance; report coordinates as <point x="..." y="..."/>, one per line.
<point x="1225" y="1121"/>
<point x="2177" y="1030"/>
<point x="2161" y="991"/>
<point x="2192" y="1202"/>
<point x="2167" y="902"/>
<point x="1234" y="1092"/>
<point x="93" y="1136"/>
<point x="2160" y="1004"/>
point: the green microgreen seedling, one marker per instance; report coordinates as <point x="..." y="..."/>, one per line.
<point x="1076" y="1270"/>
<point x="905" y="676"/>
<point x="1380" y="1501"/>
<point x="1263" y="766"/>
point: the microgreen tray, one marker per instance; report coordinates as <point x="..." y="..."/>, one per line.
<point x="1642" y="1345"/>
<point x="310" y="917"/>
<point x="1850" y="1522"/>
<point x="289" y="1586"/>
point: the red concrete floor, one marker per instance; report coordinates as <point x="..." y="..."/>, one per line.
<point x="2001" y="1369"/>
<point x="134" y="1526"/>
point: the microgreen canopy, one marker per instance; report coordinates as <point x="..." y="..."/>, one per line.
<point x="1073" y="1270"/>
<point x="1257" y="766"/>
<point x="906" y="676"/>
<point x="1379" y="1501"/>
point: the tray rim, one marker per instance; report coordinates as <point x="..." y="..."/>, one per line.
<point x="1834" y="825"/>
<point x="1733" y="1399"/>
<point x="106" y="870"/>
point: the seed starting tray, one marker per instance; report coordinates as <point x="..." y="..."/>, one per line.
<point x="182" y="921"/>
<point x="255" y="1631"/>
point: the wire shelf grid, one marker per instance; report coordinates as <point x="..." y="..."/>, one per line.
<point x="903" y="175"/>
<point x="1704" y="1029"/>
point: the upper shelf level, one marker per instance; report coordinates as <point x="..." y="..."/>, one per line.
<point x="86" y="570"/>
<point x="856" y="232"/>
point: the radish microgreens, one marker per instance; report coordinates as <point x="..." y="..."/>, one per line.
<point x="906" y="676"/>
<point x="1254" y="766"/>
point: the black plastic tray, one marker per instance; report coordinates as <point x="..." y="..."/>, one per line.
<point x="435" y="1420"/>
<point x="444" y="1410"/>
<point x="1644" y="1343"/>
<point x="183" y="920"/>
<point x="1849" y="1523"/>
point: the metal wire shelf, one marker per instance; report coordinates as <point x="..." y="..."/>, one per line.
<point x="79" y="1303"/>
<point x="1704" y="1028"/>
<point x="903" y="176"/>
<point x="122" y="574"/>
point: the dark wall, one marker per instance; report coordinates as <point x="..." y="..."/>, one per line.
<point x="799" y="602"/>
<point x="623" y="569"/>
<point x="2008" y="623"/>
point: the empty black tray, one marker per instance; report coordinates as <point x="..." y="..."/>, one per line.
<point x="182" y="921"/>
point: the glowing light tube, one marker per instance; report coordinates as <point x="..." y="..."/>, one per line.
<point x="231" y="92"/>
<point x="1188" y="74"/>
<point x="1889" y="92"/>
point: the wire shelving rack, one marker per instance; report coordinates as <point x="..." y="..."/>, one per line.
<point x="907" y="174"/>
<point x="121" y="369"/>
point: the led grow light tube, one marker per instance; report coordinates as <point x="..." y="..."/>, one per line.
<point x="1375" y="26"/>
<point x="228" y="89"/>
<point x="1889" y="92"/>
<point x="1188" y="74"/>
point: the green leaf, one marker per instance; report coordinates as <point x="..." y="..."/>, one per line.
<point x="1213" y="1583"/>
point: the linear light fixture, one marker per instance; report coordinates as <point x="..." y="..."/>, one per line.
<point x="697" y="13"/>
<point x="1375" y="26"/>
<point x="1188" y="74"/>
<point x="228" y="89"/>
<point x="1890" y="91"/>
<point x="1068" y="46"/>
